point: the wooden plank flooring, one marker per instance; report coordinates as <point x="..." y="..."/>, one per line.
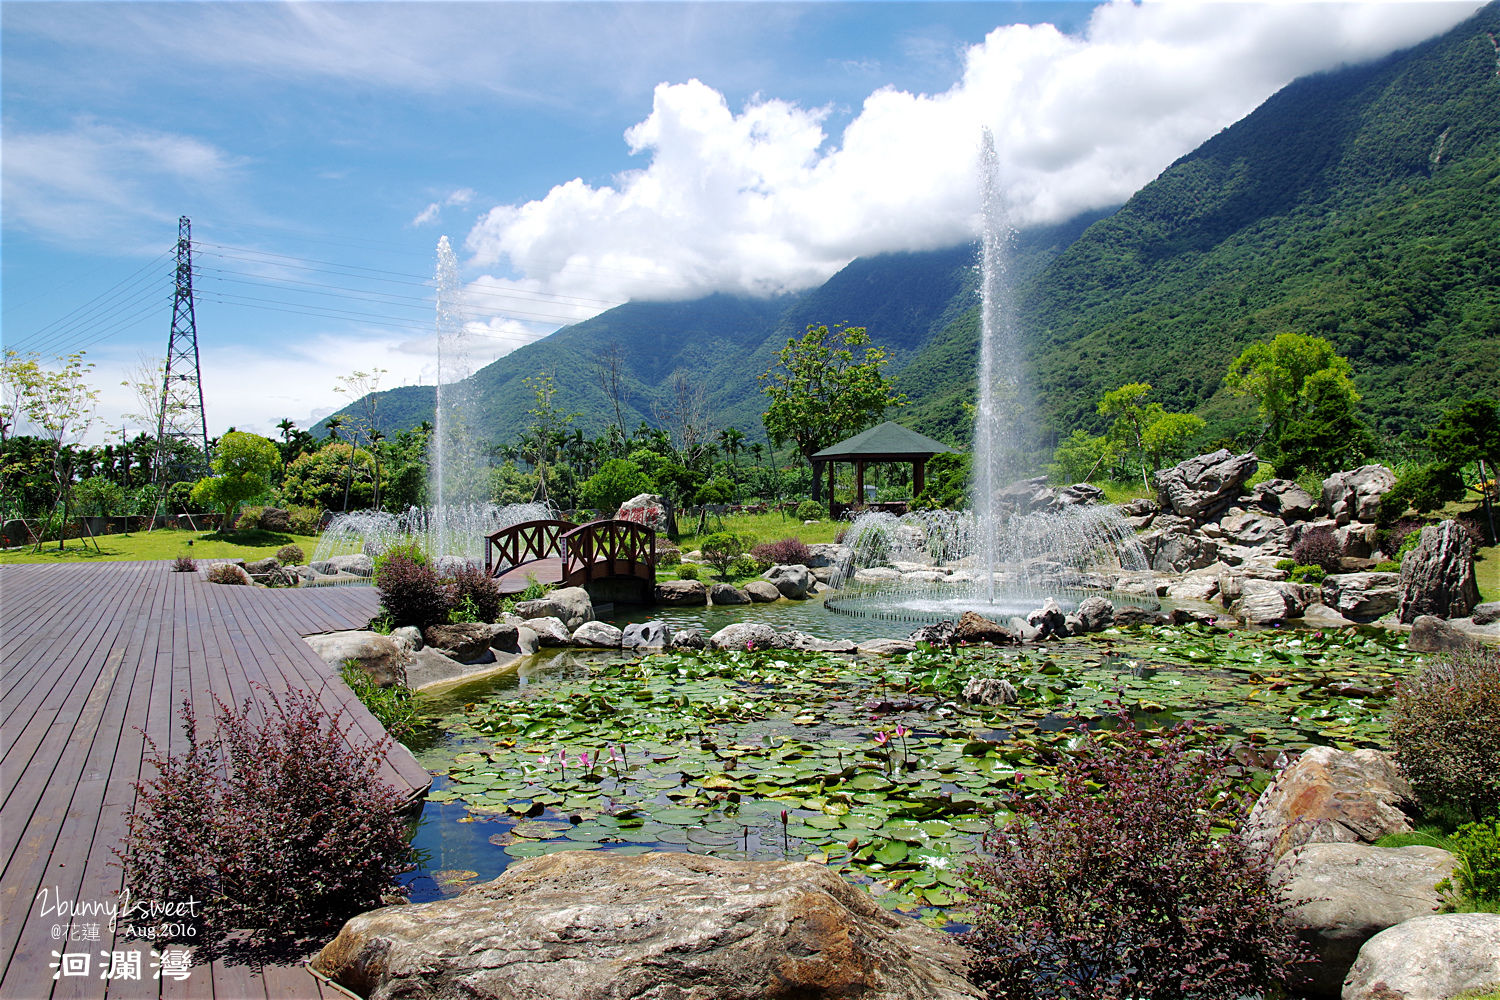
<point x="95" y="659"/>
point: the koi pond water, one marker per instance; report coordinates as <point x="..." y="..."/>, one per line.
<point x="874" y="766"/>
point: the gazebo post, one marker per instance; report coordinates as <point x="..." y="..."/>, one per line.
<point x="859" y="484"/>
<point x="831" y="501"/>
<point x="918" y="477"/>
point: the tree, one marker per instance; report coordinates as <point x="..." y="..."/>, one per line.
<point x="1327" y="435"/>
<point x="1276" y="375"/>
<point x="544" y="436"/>
<point x="720" y="550"/>
<point x="610" y="370"/>
<point x="617" y="480"/>
<point x="1149" y="430"/>
<point x="820" y="394"/>
<point x="1471" y="433"/>
<point x="245" y="466"/>
<point x="317" y="479"/>
<point x="57" y="402"/>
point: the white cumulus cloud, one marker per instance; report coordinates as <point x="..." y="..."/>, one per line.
<point x="763" y="199"/>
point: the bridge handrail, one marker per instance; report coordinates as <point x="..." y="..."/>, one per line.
<point x="611" y="542"/>
<point x="526" y="542"/>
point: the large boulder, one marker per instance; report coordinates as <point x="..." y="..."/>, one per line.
<point x="594" y="925"/>
<point x="1263" y="602"/>
<point x="681" y="593"/>
<point x="550" y="631"/>
<point x="1330" y="796"/>
<point x="885" y="647"/>
<point x="990" y="691"/>
<point x="1202" y="486"/>
<point x="1176" y="550"/>
<point x="1434" y="957"/>
<point x="645" y="508"/>
<point x="790" y="579"/>
<point x="1437" y="577"/>
<point x="762" y="591"/>
<point x="827" y="554"/>
<point x="1355" y="495"/>
<point x="973" y="628"/>
<point x="1430" y="634"/>
<point x="1348" y="893"/>
<point x="727" y="593"/>
<point x="378" y="655"/>
<point x="744" y="635"/>
<point x="1250" y="528"/>
<point x="1361" y="596"/>
<point x="597" y="635"/>
<point x="1095" y="614"/>
<point x="358" y="564"/>
<point x="1285" y="499"/>
<point x="570" y="605"/>
<point x="645" y="635"/>
<point x="464" y="641"/>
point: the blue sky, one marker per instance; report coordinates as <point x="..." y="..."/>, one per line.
<point x="577" y="155"/>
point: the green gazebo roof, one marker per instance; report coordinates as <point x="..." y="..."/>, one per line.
<point x="884" y="442"/>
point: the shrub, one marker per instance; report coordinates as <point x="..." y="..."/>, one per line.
<point x="228" y="573"/>
<point x="785" y="551"/>
<point x="667" y="554"/>
<point x="1119" y="886"/>
<point x="277" y="825"/>
<point x="1422" y="489"/>
<point x="1389" y="566"/>
<point x="1446" y="734"/>
<point x="249" y="518"/>
<point x="409" y="550"/>
<point x="291" y="555"/>
<point x="720" y="550"/>
<point x="392" y="706"/>
<point x="1286" y="565"/>
<point x="1308" y="574"/>
<point x="303" y="520"/>
<point x="687" y="571"/>
<point x="535" y="590"/>
<point x="480" y="590"/>
<point x="411" y="592"/>
<point x="1390" y="538"/>
<point x="1318" y="548"/>
<point x="811" y="510"/>
<point x="747" y="565"/>
<point x="1476" y="877"/>
<point x="184" y="564"/>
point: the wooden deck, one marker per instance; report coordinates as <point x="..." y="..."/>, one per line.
<point x="92" y="656"/>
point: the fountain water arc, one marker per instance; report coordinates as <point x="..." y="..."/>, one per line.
<point x="1000" y="558"/>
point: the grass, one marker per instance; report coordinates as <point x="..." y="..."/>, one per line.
<point x="163" y="544"/>
<point x="757" y="528"/>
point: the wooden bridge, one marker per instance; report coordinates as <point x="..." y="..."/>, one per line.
<point x="611" y="559"/>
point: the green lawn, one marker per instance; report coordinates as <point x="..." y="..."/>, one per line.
<point x="163" y="544"/>
<point x="756" y="528"/>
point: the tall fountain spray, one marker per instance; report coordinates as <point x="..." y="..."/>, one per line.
<point x="996" y="422"/>
<point x="449" y="324"/>
<point x="1001" y="557"/>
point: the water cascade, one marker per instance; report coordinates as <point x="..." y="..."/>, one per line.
<point x="458" y="483"/>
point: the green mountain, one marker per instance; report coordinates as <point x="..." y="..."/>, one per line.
<point x="1358" y="205"/>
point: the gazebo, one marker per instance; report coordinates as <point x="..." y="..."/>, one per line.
<point x="887" y="442"/>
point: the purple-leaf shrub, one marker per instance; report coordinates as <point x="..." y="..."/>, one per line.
<point x="1128" y="882"/>
<point x="1318" y="547"/>
<point x="1445" y="734"/>
<point x="783" y="552"/>
<point x="484" y="590"/>
<point x="276" y="825"/>
<point x="412" y="592"/>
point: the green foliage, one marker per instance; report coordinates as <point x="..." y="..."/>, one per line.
<point x="617" y="480"/>
<point x="1286" y="565"/>
<point x="1080" y="457"/>
<point x="1326" y="435"/>
<point x="509" y="484"/>
<point x="745" y="566"/>
<point x="716" y="490"/>
<point x="535" y="590"/>
<point x="1477" y="874"/>
<point x="98" y="497"/>
<point x="1389" y="566"/>
<point x="1423" y="489"/>
<point x="947" y="485"/>
<point x="687" y="571"/>
<point x="392" y="706"/>
<point x="1308" y="574"/>
<point x="1446" y="734"/>
<point x="1276" y="375"/>
<point x="246" y="466"/>
<point x="407" y="550"/>
<point x="464" y="610"/>
<point x="291" y="555"/>
<point x="820" y="394"/>
<point x="1467" y="433"/>
<point x="318" y="479"/>
<point x="720" y="550"/>
<point x="811" y="510"/>
<point x="303" y="520"/>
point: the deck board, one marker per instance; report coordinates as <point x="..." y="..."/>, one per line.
<point x="97" y="658"/>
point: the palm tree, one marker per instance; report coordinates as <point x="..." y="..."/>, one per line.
<point x="731" y="438"/>
<point x="334" y="423"/>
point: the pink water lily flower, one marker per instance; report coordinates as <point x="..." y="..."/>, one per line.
<point x="901" y="730"/>
<point x="882" y="738"/>
<point x="583" y="759"/>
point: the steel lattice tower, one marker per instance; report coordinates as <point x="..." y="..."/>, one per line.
<point x="181" y="418"/>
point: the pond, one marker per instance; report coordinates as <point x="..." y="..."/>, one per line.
<point x="873" y="766"/>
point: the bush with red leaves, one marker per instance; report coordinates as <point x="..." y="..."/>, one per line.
<point x="411" y="592"/>
<point x="1119" y="885"/>
<point x="484" y="590"/>
<point x="1318" y="547"/>
<point x="276" y="826"/>
<point x="783" y="552"/>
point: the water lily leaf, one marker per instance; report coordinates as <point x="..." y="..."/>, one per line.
<point x="891" y="852"/>
<point x="536" y="829"/>
<point x="677" y="816"/>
